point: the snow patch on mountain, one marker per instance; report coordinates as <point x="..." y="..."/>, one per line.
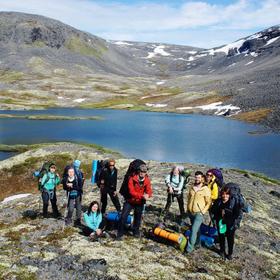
<point x="158" y="50"/>
<point x="121" y="43"/>
<point x="227" y="48"/>
<point x="272" y="41"/>
<point x="79" y="100"/>
<point x="216" y="106"/>
<point x="156" y="105"/>
<point x="250" y="62"/>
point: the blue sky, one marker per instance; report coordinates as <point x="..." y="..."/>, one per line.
<point x="198" y="23"/>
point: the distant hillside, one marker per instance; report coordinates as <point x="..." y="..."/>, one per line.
<point x="47" y="63"/>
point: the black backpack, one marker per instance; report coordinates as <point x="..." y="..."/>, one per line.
<point x="238" y="201"/>
<point x="39" y="174"/>
<point x="132" y="169"/>
<point x="101" y="165"/>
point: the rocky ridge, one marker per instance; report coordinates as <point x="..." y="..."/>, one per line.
<point x="32" y="247"/>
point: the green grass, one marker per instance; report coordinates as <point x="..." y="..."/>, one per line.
<point x="48" y="117"/>
<point x="260" y="176"/>
<point x="33" y="163"/>
<point x="10" y="76"/>
<point x="76" y="44"/>
<point x="54" y="237"/>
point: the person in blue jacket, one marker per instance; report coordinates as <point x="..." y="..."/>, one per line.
<point x="49" y="182"/>
<point x="93" y="220"/>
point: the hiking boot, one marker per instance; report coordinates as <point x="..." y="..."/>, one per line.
<point x="57" y="215"/>
<point x="77" y="223"/>
<point x="137" y="235"/>
<point x="105" y="234"/>
<point x="229" y="257"/>
<point x="223" y="255"/>
<point x="119" y="238"/>
<point x="68" y="223"/>
<point x="93" y="237"/>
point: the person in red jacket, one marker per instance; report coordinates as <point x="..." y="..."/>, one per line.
<point x="140" y="189"/>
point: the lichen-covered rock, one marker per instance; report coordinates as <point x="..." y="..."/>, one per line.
<point x="45" y="248"/>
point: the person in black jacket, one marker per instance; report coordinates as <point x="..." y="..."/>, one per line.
<point x="108" y="185"/>
<point x="74" y="194"/>
<point x="226" y="212"/>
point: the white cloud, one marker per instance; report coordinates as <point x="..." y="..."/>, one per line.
<point x="151" y="20"/>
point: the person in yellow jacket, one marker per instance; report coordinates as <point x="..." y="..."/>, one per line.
<point x="213" y="186"/>
<point x="199" y="201"/>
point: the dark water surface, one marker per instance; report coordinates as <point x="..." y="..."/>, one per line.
<point x="159" y="136"/>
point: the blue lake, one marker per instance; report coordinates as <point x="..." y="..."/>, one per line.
<point x="209" y="140"/>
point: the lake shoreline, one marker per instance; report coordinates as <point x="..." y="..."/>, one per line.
<point x="267" y="127"/>
<point x="25" y="148"/>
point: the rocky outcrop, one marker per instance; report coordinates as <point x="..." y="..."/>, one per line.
<point x="33" y="247"/>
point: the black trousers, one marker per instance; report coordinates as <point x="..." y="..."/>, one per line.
<point x="138" y="211"/>
<point x="180" y="199"/>
<point x="229" y="235"/>
<point x="46" y="196"/>
<point x="87" y="231"/>
<point x="104" y="194"/>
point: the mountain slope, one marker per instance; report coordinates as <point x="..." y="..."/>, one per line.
<point x="47" y="63"/>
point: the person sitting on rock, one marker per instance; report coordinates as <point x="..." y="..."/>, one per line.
<point x="74" y="193"/>
<point x="226" y="213"/>
<point x="140" y="189"/>
<point x="199" y="201"/>
<point x="49" y="182"/>
<point x="108" y="186"/>
<point x="93" y="221"/>
<point x="174" y="182"/>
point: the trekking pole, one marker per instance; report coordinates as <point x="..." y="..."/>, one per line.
<point x="65" y="211"/>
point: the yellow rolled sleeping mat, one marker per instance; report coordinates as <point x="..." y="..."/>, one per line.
<point x="178" y="238"/>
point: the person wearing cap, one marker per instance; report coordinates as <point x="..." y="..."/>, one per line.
<point x="226" y="214"/>
<point x="49" y="182"/>
<point x="140" y="189"/>
<point x="199" y="201"/>
<point x="108" y="186"/>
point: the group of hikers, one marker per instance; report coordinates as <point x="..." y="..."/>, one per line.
<point x="206" y="195"/>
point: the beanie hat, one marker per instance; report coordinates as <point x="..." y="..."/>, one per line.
<point x="77" y="163"/>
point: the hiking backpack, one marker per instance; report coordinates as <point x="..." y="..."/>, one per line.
<point x="238" y="201"/>
<point x="132" y="169"/>
<point x="185" y="173"/>
<point x="39" y="174"/>
<point x="101" y="165"/>
<point x="219" y="176"/>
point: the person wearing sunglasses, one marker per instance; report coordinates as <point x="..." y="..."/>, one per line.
<point x="108" y="186"/>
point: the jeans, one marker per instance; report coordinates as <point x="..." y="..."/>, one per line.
<point x="194" y="239"/>
<point x="46" y="196"/>
<point x="138" y="210"/>
<point x="74" y="203"/>
<point x="180" y="199"/>
<point x="104" y="192"/>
